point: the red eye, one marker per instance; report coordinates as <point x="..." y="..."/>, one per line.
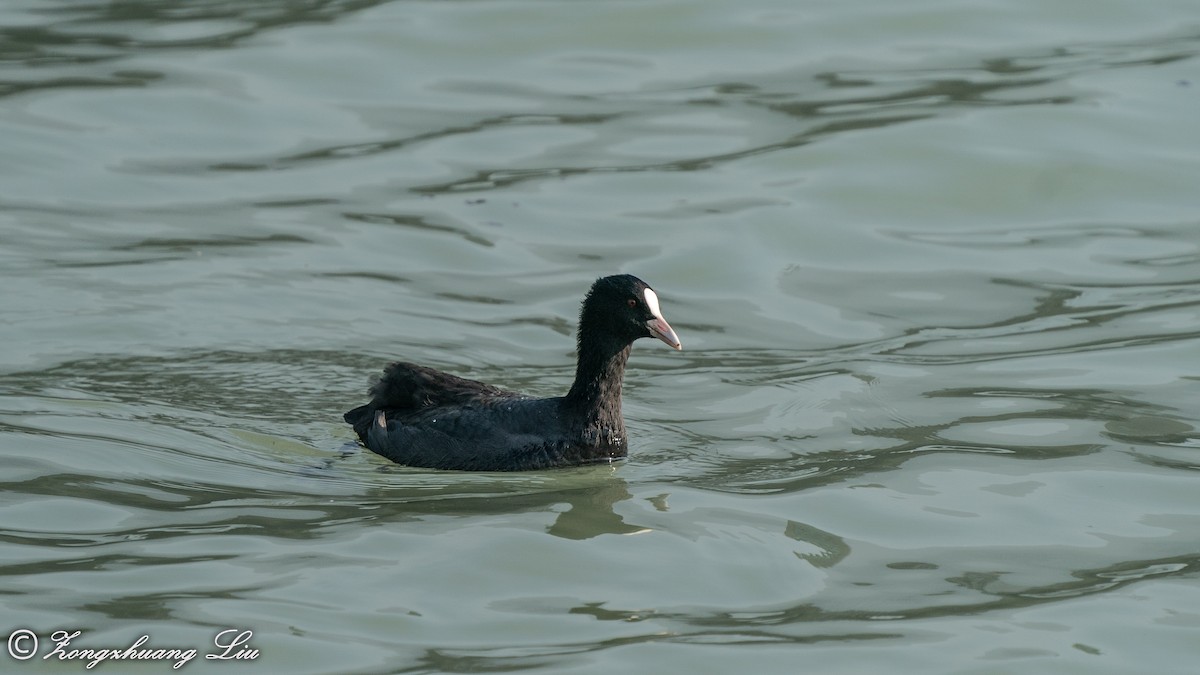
<point x="632" y="303"/>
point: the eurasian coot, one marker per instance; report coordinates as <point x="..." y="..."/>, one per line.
<point x="423" y="417"/>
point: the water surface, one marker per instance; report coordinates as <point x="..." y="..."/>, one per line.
<point x="936" y="268"/>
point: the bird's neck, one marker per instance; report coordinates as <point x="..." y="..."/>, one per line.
<point x="598" y="378"/>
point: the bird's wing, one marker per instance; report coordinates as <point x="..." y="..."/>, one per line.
<point x="405" y="387"/>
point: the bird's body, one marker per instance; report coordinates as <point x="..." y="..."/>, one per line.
<point x="423" y="417"/>
<point x="471" y="426"/>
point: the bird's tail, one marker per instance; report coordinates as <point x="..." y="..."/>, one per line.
<point x="360" y="418"/>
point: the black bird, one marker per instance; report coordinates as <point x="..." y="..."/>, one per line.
<point x="422" y="417"/>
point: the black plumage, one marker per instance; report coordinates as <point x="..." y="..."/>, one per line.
<point x="422" y="417"/>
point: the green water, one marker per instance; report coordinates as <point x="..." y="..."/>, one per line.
<point x="935" y="266"/>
